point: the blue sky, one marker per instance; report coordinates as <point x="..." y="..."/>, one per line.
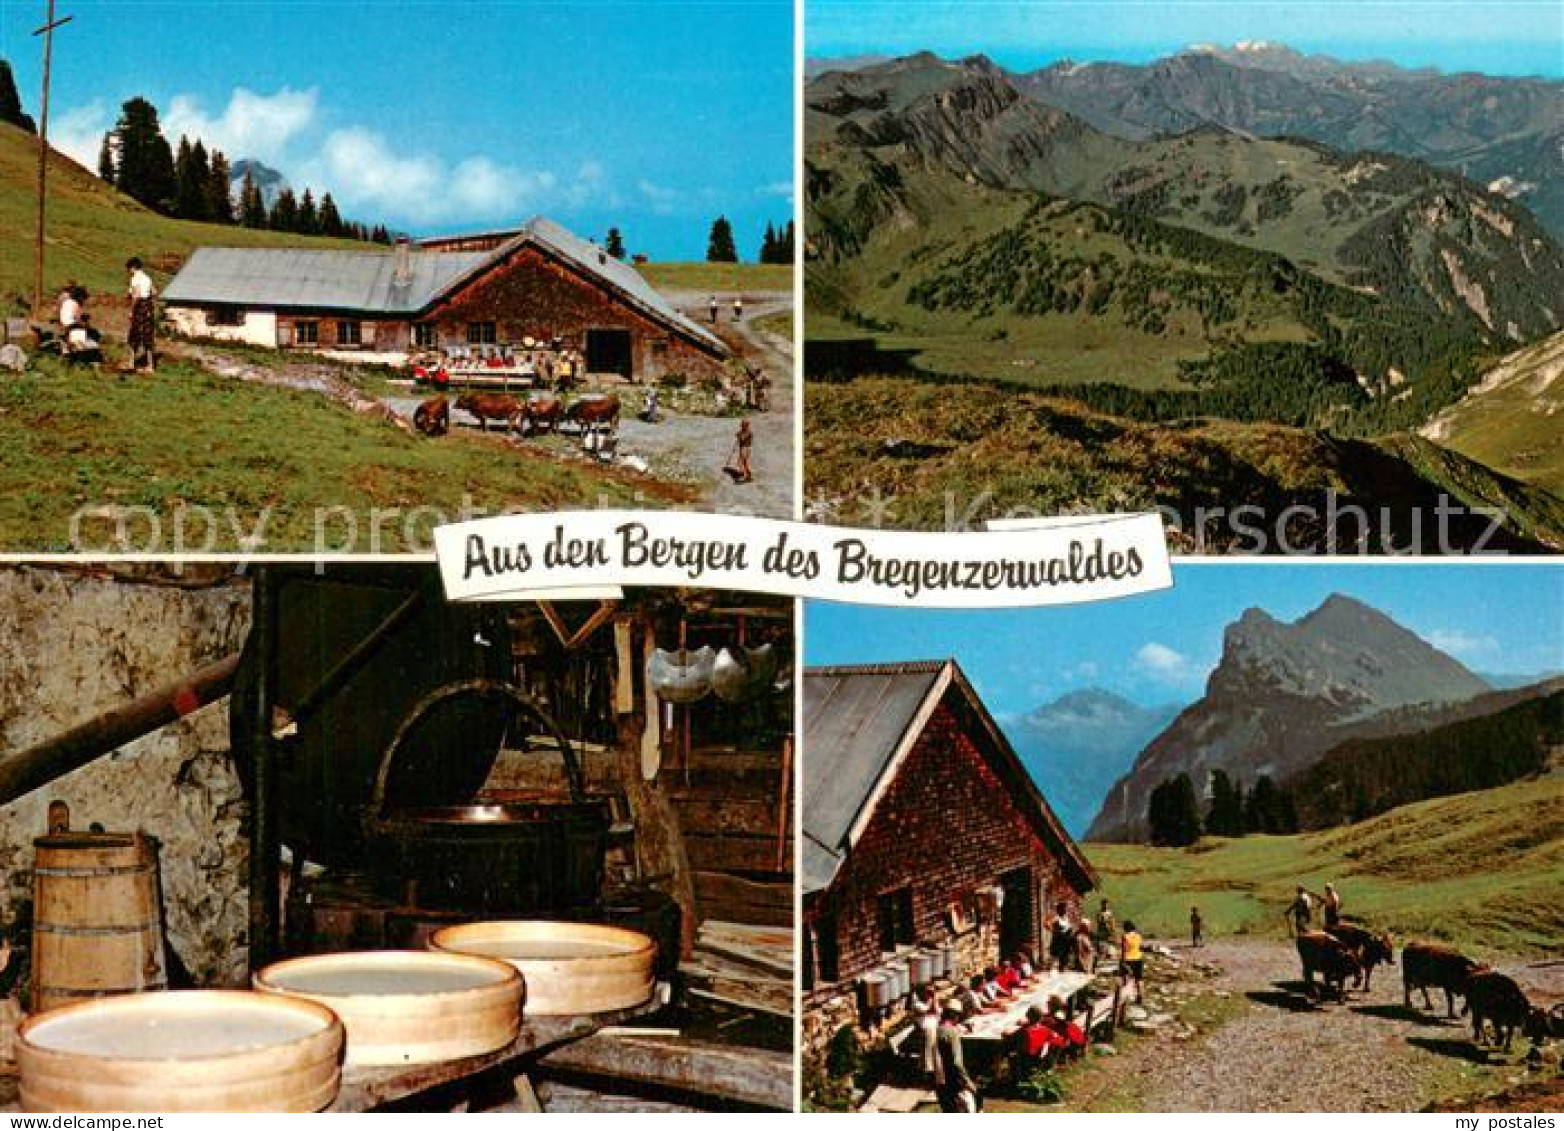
<point x="443" y="116"/>
<point x="1498" y="37"/>
<point x="1158" y="648"/>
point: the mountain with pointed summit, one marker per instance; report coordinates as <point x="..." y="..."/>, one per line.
<point x="1285" y="693"/>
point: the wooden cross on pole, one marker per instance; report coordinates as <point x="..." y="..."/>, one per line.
<point x="47" y="31"/>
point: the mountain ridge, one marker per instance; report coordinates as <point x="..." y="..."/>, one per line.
<point x="1283" y="694"/>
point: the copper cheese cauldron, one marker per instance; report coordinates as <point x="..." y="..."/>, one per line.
<point x="526" y="857"/>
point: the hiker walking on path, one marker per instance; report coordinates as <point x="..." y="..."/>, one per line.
<point x="738" y="309"/>
<point x="1197" y="935"/>
<point x="1300" y="912"/>
<point x="739" y="463"/>
<point x="1132" y="958"/>
<point x="1332" y="906"/>
<point x="143" y="316"/>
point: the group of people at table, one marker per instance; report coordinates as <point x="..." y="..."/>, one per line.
<point x="1046" y="1034"/>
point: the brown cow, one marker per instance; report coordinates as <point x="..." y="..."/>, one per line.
<point x="490" y="406"/>
<point x="1492" y="996"/>
<point x="595" y="409"/>
<point x="1372" y="949"/>
<point x="541" y="411"/>
<point x="433" y="417"/>
<point x="1429" y="964"/>
<point x="1335" y="961"/>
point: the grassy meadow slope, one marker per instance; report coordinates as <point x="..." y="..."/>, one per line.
<point x="71" y="439"/>
<point x="92" y="229"/>
<point x="925" y="445"/>
<point x="1481" y="870"/>
<point x="1513" y="418"/>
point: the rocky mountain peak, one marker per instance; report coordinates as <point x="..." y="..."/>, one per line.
<point x="1283" y="692"/>
<point x="1343" y="652"/>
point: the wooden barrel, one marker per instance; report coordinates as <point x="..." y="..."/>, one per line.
<point x="569" y="968"/>
<point x="407" y="1007"/>
<point x="187" y="1051"/>
<point x="96" y="924"/>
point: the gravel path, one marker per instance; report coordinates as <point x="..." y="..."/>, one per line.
<point x="1284" y="1053"/>
<point x="700" y="445"/>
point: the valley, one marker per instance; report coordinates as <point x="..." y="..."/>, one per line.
<point x="964" y="228"/>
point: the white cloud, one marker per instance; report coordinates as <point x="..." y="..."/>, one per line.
<point x="78" y="132"/>
<point x="784" y="189"/>
<point x="1083" y="672"/>
<point x="1460" y="643"/>
<point x="1158" y="661"/>
<point x="261" y="126"/>
<point x="661" y="199"/>
<point x="366" y="175"/>
<point x="369" y="176"/>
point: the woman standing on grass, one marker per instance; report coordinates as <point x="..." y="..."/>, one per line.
<point x="143" y="316"/>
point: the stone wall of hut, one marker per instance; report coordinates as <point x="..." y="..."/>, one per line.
<point x="79" y="642"/>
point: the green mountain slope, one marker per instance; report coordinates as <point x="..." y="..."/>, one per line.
<point x="92" y="228"/>
<point x="1498" y="130"/>
<point x="937" y="452"/>
<point x="1407" y="236"/>
<point x="1481" y="870"/>
<point x="1365" y="777"/>
<point x="1184" y="291"/>
<point x="1513" y="418"/>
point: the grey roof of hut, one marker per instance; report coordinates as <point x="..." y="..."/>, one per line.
<point x="859" y="722"/>
<point x="365" y="282"/>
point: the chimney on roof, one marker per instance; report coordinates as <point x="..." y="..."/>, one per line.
<point x="402" y="270"/>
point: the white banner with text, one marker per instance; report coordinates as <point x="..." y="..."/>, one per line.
<point x="1017" y="563"/>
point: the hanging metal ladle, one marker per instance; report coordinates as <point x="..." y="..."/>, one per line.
<point x="681" y="676"/>
<point x="740" y="673"/>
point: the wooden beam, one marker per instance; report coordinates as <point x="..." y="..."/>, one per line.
<point x="731" y="853"/>
<point x="758" y="1077"/>
<point x="105" y="733"/>
<point x="749" y="817"/>
<point x="734" y="898"/>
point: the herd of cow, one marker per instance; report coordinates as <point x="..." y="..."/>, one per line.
<point x="529" y="415"/>
<point x="1346" y="951"/>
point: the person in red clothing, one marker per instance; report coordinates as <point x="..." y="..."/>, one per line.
<point x="1007" y="978"/>
<point x="1071" y="1037"/>
<point x="1036" y="1039"/>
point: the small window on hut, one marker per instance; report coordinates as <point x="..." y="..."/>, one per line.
<point x="481" y="334"/>
<point x="306" y="333"/>
<point x="225" y="316"/>
<point x="827" y="964"/>
<point x="350" y="333"/>
<point x="424" y="335"/>
<point x="894" y="911"/>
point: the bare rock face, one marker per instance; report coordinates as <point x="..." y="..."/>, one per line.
<point x="1283" y="694"/>
<point x="74" y="645"/>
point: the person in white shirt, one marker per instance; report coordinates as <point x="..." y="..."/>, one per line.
<point x="70" y="307"/>
<point x="83" y="342"/>
<point x="143" y="316"/>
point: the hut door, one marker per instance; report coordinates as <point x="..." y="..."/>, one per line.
<point x="1016" y="913"/>
<point x="609" y="351"/>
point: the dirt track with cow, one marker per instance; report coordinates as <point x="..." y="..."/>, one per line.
<point x="1281" y="1047"/>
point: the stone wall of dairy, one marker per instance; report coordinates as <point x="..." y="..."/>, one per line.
<point x="75" y="643"/>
